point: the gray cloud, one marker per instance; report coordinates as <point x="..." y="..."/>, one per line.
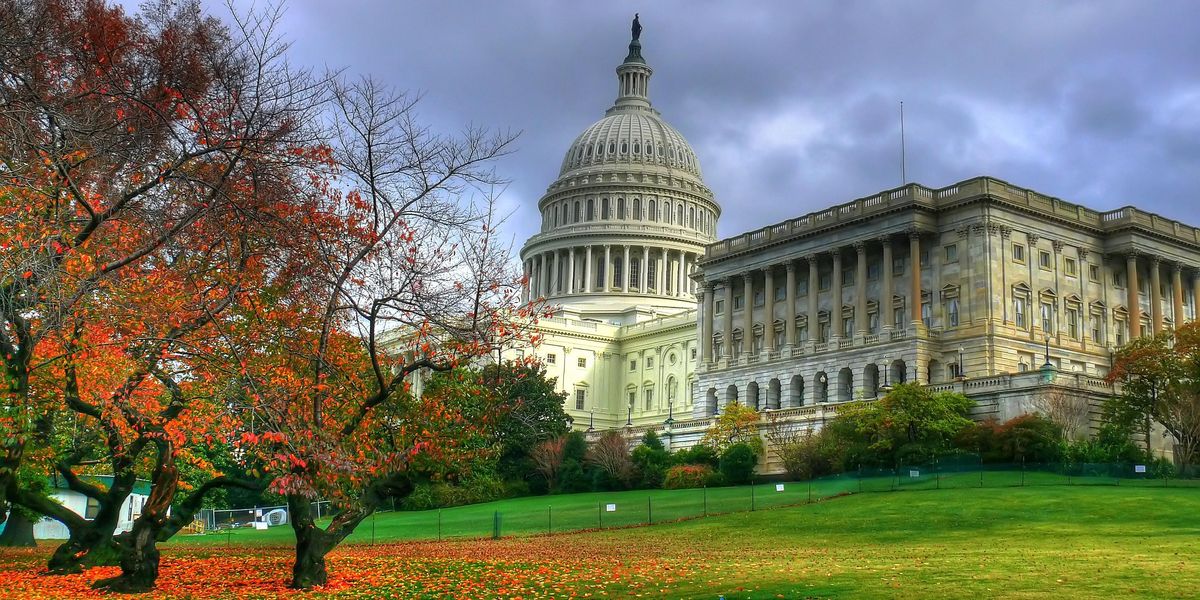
<point x="796" y="103"/>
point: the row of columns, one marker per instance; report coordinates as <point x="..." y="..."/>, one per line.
<point x="1133" y="304"/>
<point x="555" y="272"/>
<point x="860" y="249"/>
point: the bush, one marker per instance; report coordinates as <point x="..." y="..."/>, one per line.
<point x="687" y="476"/>
<point x="738" y="462"/>
<point x="650" y="460"/>
<point x="477" y="488"/>
<point x="807" y="456"/>
<point x="1029" y="438"/>
<point x="696" y="455"/>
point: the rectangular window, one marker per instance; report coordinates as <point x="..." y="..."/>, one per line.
<point x="926" y="317"/>
<point x="1121" y="329"/>
<point x="633" y="365"/>
<point x="582" y="362"/>
<point x="1044" y="260"/>
<point x="848" y="327"/>
<point x="951" y="253"/>
<point x="649" y="398"/>
<point x="1073" y="323"/>
<point x="802" y="287"/>
<point x="898" y="318"/>
<point x="898" y="266"/>
<point x="825" y="280"/>
<point x="924" y="258"/>
<point x="873" y="271"/>
<point x="1047" y="317"/>
<point x="693" y="354"/>
<point x="92" y="509"/>
<point x="1019" y="312"/>
<point x="823" y="332"/>
<point x="802" y="333"/>
<point x="873" y="322"/>
<point x="551" y="358"/>
<point x="719" y="306"/>
<point x="1094" y="273"/>
<point x="649" y="362"/>
<point x="580" y="398"/>
<point x="760" y="297"/>
<point x="1118" y="279"/>
<point x="952" y="313"/>
<point x="1018" y="253"/>
<point x="780" y="293"/>
<point x="632" y="398"/>
<point x="738" y="301"/>
<point x="1070" y="266"/>
<point x="848" y="277"/>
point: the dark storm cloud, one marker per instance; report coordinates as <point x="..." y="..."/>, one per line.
<point x="797" y="103"/>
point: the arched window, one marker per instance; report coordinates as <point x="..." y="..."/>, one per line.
<point x="692" y="217"/>
<point x="577" y="211"/>
<point x="591" y="210"/>
<point x="624" y="147"/>
<point x="637" y="209"/>
<point x="612" y="147"/>
<point x="666" y="212"/>
<point x="650" y="208"/>
<point x="679" y="214"/>
<point x="621" y="208"/>
<point x="604" y="209"/>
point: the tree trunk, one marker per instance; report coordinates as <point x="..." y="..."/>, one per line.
<point x="311" y="545"/>
<point x="18" y="531"/>
<point x="139" y="549"/>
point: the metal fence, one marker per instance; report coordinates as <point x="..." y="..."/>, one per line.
<point x="599" y="510"/>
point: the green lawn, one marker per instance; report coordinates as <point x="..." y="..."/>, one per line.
<point x="944" y="537"/>
<point x="573" y="512"/>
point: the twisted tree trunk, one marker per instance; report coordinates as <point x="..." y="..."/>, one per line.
<point x="18" y="530"/>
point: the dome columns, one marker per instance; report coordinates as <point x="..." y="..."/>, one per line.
<point x="610" y="268"/>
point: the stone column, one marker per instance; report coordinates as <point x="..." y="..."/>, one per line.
<point x="587" y="271"/>
<point x="525" y="287"/>
<point x="728" y="316"/>
<point x="835" y="287"/>
<point x="1177" y="294"/>
<point x="813" y="306"/>
<point x="1156" y="315"/>
<point x="644" y="276"/>
<point x="682" y="289"/>
<point x="1132" y="303"/>
<point x="556" y="279"/>
<point x="625" y="271"/>
<point x="571" y="270"/>
<point x="607" y="269"/>
<point x="748" y="312"/>
<point x="914" y="299"/>
<point x="789" y="324"/>
<point x="860" y="291"/>
<point x="769" y="318"/>
<point x="885" y="294"/>
<point x="1195" y="294"/>
<point x="660" y="274"/>
<point x="707" y="323"/>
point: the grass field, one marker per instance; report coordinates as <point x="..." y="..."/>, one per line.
<point x="956" y="542"/>
<point x="573" y="512"/>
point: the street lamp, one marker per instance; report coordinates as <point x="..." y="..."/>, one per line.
<point x="1048" y="364"/>
<point x="823" y="380"/>
<point x="629" y="417"/>
<point x="591" y="420"/>
<point x="961" y="372"/>
<point x="670" y="412"/>
<point x="887" y="368"/>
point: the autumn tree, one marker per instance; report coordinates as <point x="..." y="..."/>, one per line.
<point x="1066" y="407"/>
<point x="909" y="424"/>
<point x="133" y="150"/>
<point x="1160" y="383"/>
<point x="609" y="456"/>
<point x="547" y="459"/>
<point x="738" y="424"/>
<point x="401" y="274"/>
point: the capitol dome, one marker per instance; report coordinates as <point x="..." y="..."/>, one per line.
<point x="627" y="218"/>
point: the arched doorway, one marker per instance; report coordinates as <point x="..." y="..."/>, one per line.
<point x="797" y="391"/>
<point x="752" y="399"/>
<point x="899" y="372"/>
<point x="773" y="394"/>
<point x="845" y="385"/>
<point x="871" y="380"/>
<point x="731" y="395"/>
<point x="710" y="400"/>
<point x="821" y="389"/>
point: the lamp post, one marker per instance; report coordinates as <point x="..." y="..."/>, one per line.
<point x="670" y="412"/>
<point x="1047" y="364"/>
<point x="591" y="420"/>
<point x="962" y="374"/>
<point x="887" y="368"/>
<point x="823" y="380"/>
<point x="629" y="417"/>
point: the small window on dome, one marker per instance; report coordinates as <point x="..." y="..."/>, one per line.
<point x="637" y="148"/>
<point x="589" y="152"/>
<point x="612" y="147"/>
<point x="624" y="147"/>
<point x="660" y="149"/>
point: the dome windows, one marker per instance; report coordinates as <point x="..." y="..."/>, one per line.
<point x="637" y="148"/>
<point x="624" y="147"/>
<point x="612" y="147"/>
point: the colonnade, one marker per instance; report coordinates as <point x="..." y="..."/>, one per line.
<point x="768" y="276"/>
<point x="1133" y="291"/>
<point x="609" y="268"/>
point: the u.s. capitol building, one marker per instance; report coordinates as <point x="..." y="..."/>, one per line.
<point x="975" y="286"/>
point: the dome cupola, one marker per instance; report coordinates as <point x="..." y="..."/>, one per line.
<point x="628" y="215"/>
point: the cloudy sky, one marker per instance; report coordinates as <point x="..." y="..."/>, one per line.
<point x="793" y="106"/>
